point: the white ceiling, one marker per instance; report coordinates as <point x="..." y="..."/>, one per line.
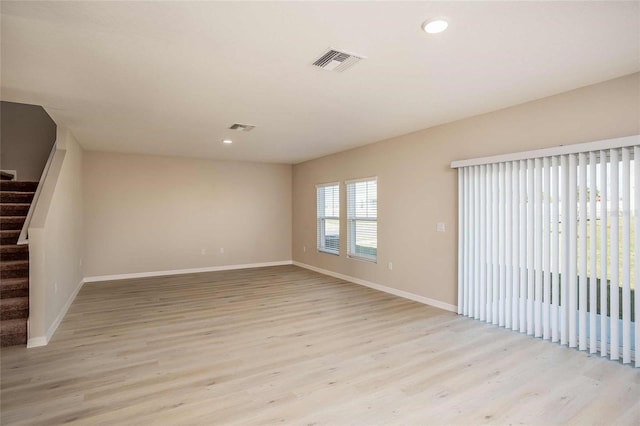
<point x="170" y="78"/>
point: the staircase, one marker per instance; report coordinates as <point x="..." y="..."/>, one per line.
<point x="15" y="199"/>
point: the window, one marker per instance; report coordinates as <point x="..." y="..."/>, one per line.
<point x="328" y="217"/>
<point x="362" y="219"/>
<point x="547" y="244"/>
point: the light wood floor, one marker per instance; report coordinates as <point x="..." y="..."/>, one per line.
<point x="289" y="346"/>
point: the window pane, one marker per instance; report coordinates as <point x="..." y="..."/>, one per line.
<point x="328" y="208"/>
<point x="332" y="235"/>
<point x="366" y="238"/>
<point x="362" y="214"/>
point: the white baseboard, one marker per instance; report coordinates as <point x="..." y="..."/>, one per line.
<point x="34" y="342"/>
<point x="380" y="287"/>
<point x="98" y="278"/>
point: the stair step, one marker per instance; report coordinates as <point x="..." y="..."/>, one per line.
<point x="14" y="252"/>
<point x="13" y="326"/>
<point x="14" y="287"/>
<point x="14" y="269"/>
<point x="16" y="209"/>
<point x="9" y="237"/>
<point x="12" y="222"/>
<point x="14" y="308"/>
<point x="16" y="185"/>
<point x="15" y="197"/>
<point x="13" y="332"/>
<point x="6" y="175"/>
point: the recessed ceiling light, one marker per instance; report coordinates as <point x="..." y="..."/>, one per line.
<point x="435" y="26"/>
<point x="227" y="141"/>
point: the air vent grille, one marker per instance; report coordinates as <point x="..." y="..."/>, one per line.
<point x="334" y="60"/>
<point x="242" y="127"/>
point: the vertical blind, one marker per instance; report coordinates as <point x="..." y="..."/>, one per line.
<point x="362" y="219"/>
<point x="328" y="209"/>
<point x="547" y="245"/>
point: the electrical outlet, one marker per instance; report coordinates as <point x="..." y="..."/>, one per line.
<point x="203" y="251"/>
<point x="390" y="266"/>
<point x="221" y="250"/>
<point x="304" y="249"/>
<point x="440" y="227"/>
<point x="55" y="287"/>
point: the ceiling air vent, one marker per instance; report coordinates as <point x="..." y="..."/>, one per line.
<point x="242" y="127"/>
<point x="334" y="60"/>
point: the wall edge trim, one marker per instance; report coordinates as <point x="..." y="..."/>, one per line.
<point x="34" y="342"/>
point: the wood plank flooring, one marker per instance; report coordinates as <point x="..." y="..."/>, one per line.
<point x="284" y="345"/>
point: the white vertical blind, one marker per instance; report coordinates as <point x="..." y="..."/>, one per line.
<point x="604" y="253"/>
<point x="475" y="243"/>
<point x="530" y="280"/>
<point x="523" y="246"/>
<point x="548" y="247"/>
<point x="614" y="213"/>
<point x="501" y="245"/>
<point x="463" y="308"/>
<point x="572" y="221"/>
<point x="626" y="256"/>
<point x="593" y="250"/>
<point x="537" y="250"/>
<point x="582" y="237"/>
<point x="546" y="250"/>
<point x="515" y="252"/>
<point x="482" y="316"/>
<point x="461" y="242"/>
<point x="636" y="217"/>
<point x="508" y="229"/>
<point x="495" y="279"/>
<point x="555" y="238"/>
<point x="564" y="293"/>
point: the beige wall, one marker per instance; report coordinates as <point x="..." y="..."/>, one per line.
<point x="27" y="134"/>
<point x="417" y="188"/>
<point x="149" y="213"/>
<point x="55" y="241"/>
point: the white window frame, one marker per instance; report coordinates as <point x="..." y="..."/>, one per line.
<point x="321" y="219"/>
<point x="352" y="219"/>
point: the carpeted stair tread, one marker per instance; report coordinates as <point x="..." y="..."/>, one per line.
<point x="14" y="326"/>
<point x="14" y="287"/>
<point x="13" y="332"/>
<point x="14" y="252"/>
<point x="14" y="269"/>
<point x="9" y="237"/>
<point x="15" y="197"/>
<point x="14" y="209"/>
<point x="14" y="283"/>
<point x="12" y="222"/>
<point x="15" y="185"/>
<point x="14" y="308"/>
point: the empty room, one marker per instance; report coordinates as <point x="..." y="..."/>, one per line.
<point x="338" y="213"/>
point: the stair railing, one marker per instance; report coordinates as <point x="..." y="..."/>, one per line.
<point x="24" y="232"/>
